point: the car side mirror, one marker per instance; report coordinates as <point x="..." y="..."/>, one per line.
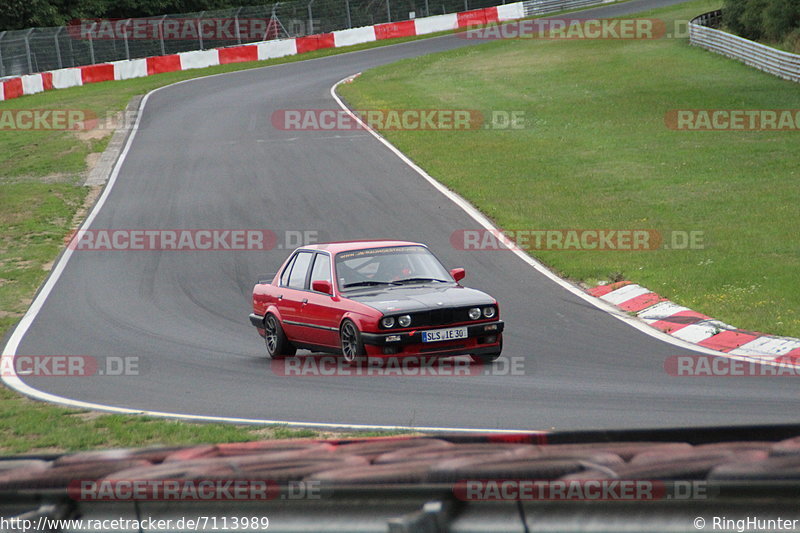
<point x="322" y="285"/>
<point x="458" y="274"/>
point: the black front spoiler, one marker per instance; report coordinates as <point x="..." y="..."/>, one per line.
<point x="482" y="329"/>
<point x="257" y="320"/>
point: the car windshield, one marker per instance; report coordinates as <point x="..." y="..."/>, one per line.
<point x="396" y="265"/>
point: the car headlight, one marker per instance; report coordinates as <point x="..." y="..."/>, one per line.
<point x="387" y="322"/>
<point x="474" y="313"/>
<point x="489" y="312"/>
<point x="404" y="321"/>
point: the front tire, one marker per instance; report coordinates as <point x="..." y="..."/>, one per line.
<point x="278" y="346"/>
<point x="350" y="339"/>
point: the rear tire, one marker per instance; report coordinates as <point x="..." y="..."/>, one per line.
<point x="350" y="339"/>
<point x="278" y="346"/>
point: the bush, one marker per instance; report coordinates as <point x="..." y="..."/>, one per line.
<point x="771" y="20"/>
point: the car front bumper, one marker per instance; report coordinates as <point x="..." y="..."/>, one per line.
<point x="483" y="337"/>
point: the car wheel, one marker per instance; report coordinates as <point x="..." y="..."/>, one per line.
<point x="278" y="345"/>
<point x="352" y="346"/>
<point x="488" y="358"/>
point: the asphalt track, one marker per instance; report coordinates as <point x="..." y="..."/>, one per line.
<point x="207" y="156"/>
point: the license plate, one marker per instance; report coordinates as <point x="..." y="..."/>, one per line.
<point x="449" y="334"/>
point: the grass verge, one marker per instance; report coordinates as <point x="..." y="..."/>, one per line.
<point x="595" y="153"/>
<point x="41" y="176"/>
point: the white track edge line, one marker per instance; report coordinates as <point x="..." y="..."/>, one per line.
<point x="13" y="381"/>
<point x="481" y="219"/>
<point x="9" y="350"/>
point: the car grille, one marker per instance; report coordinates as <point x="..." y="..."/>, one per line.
<point x="440" y="317"/>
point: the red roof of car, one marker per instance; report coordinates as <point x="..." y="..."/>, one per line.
<point x="345" y="246"/>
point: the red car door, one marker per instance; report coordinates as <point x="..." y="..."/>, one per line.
<point x="321" y="312"/>
<point x="291" y="293"/>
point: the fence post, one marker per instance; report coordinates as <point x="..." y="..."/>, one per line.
<point x="28" y="50"/>
<point x="71" y="52"/>
<point x="427" y="10"/>
<point x="236" y="25"/>
<point x="161" y="35"/>
<point x="272" y="18"/>
<point x="466" y="5"/>
<point x="2" y="68"/>
<point x="125" y="39"/>
<point x="310" y="28"/>
<point x="349" y="21"/>
<point x="91" y="42"/>
<point x="58" y="47"/>
<point x="388" y="11"/>
<point x="200" y="29"/>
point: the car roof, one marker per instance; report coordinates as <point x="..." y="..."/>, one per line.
<point x="346" y="246"/>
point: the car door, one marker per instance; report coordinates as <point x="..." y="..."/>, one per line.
<point x="321" y="312"/>
<point x="292" y="292"/>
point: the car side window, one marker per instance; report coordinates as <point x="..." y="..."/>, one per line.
<point x="297" y="278"/>
<point x="286" y="272"/>
<point x="321" y="269"/>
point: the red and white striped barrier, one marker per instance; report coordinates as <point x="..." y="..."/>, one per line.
<point x="136" y="68"/>
<point x="691" y="326"/>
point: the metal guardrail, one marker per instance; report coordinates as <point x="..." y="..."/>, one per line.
<point x="43" y="49"/>
<point x="541" y="7"/>
<point x="777" y="62"/>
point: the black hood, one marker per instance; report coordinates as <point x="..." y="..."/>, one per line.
<point x="392" y="300"/>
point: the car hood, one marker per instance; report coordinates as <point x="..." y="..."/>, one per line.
<point x="420" y="298"/>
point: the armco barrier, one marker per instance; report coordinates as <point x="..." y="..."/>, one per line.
<point x="199" y="59"/>
<point x="97" y="73"/>
<point x="12" y="88"/>
<point x="762" y="57"/>
<point x="67" y="77"/>
<point x="541" y="7"/>
<point x="314" y="42"/>
<point x="511" y="11"/>
<point x="161" y="64"/>
<point x="274" y="49"/>
<point x="477" y="17"/>
<point x="125" y="70"/>
<point x="353" y="36"/>
<point x="135" y="68"/>
<point x="238" y="54"/>
<point x="393" y="30"/>
<point x="437" y="23"/>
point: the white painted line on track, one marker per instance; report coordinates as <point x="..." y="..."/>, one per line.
<point x="481" y="219"/>
<point x="13" y="380"/>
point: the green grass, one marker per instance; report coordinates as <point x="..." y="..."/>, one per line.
<point x="35" y="427"/>
<point x="595" y="153"/>
<point x="41" y="173"/>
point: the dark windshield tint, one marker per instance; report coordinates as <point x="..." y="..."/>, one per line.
<point x="378" y="266"/>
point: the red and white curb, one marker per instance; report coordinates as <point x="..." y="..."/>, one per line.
<point x="697" y="328"/>
<point x="137" y="68"/>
